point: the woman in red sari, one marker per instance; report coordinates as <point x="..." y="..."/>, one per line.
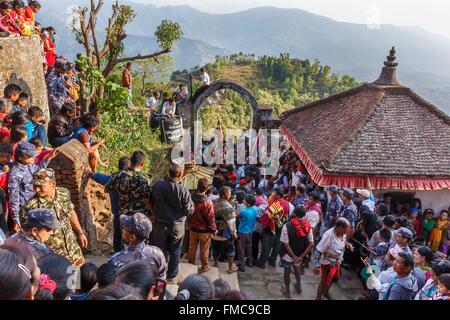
<point x="49" y="48"/>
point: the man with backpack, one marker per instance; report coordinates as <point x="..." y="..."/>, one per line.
<point x="297" y="241"/>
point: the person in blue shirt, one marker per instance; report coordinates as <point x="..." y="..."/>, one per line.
<point x="247" y="224"/>
<point x="103" y="179"/>
<point x="38" y="128"/>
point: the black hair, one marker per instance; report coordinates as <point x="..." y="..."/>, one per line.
<point x="17" y="134"/>
<point x="198" y="286"/>
<point x="6" y="148"/>
<point x="59" y="269"/>
<point x="35" y="112"/>
<point x="18" y="4"/>
<point x="232" y="295"/>
<point x="37" y="142"/>
<point x="23" y="96"/>
<point x="220" y="287"/>
<point x="34" y="3"/>
<point x="389" y="221"/>
<point x="279" y="192"/>
<point x="385" y="234"/>
<point x="203" y="185"/>
<point x="440" y="267"/>
<point x="12" y="88"/>
<point x="428" y="211"/>
<point x="89" y="121"/>
<point x="67" y="107"/>
<point x="240" y="196"/>
<point x="124" y="163"/>
<point x="19" y="119"/>
<point x="250" y="199"/>
<point x="259" y="192"/>
<point x="139" y="274"/>
<point x="382" y="209"/>
<point x="300" y="211"/>
<point x="106" y="275"/>
<point x="223" y="190"/>
<point x="120" y="291"/>
<point x="88" y="277"/>
<point x="5" y="5"/>
<point x="315" y="195"/>
<point x="138" y="158"/>
<point x="445" y="280"/>
<point x="408" y="259"/>
<point x="427" y="253"/>
<point x="16" y="261"/>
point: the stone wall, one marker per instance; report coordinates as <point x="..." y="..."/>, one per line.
<point x="92" y="205"/>
<point x="21" y="64"/>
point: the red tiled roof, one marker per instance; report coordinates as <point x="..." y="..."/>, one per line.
<point x="373" y="130"/>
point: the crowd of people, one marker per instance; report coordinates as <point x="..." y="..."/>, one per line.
<point x="243" y="217"/>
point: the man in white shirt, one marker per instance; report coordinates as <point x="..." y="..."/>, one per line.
<point x="169" y="108"/>
<point x="152" y="103"/>
<point x="204" y="77"/>
<point x="365" y="196"/>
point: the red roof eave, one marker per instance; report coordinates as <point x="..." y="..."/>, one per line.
<point x="354" y="181"/>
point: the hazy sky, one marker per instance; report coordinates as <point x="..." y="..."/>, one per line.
<point x="432" y="15"/>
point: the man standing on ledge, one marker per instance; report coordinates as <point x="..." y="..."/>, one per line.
<point x="127" y="81"/>
<point x="172" y="205"/>
<point x="48" y="196"/>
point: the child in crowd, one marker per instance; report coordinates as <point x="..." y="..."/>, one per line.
<point x="36" y="117"/>
<point x="400" y="244"/>
<point x="19" y="134"/>
<point x="6" y="151"/>
<point x="435" y="237"/>
<point x="39" y="147"/>
<point x="88" y="280"/>
<point x="245" y="229"/>
<point x="240" y="196"/>
<point x="443" y="291"/>
<point x="21" y="103"/>
<point x="431" y="286"/>
<point x="10" y="95"/>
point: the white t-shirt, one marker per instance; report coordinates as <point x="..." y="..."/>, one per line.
<point x="263" y="184"/>
<point x="313" y="218"/>
<point x="152" y="103"/>
<point x="169" y="108"/>
<point x="183" y="93"/>
<point x="369" y="203"/>
<point x="332" y="247"/>
<point x="295" y="180"/>
<point x="204" y="78"/>
<point x="284" y="238"/>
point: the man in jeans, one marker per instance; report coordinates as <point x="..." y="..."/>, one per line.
<point x="172" y="204"/>
<point x="245" y="230"/>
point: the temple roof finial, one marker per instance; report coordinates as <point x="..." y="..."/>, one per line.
<point x="388" y="76"/>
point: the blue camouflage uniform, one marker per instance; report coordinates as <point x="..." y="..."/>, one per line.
<point x="20" y="187"/>
<point x="57" y="90"/>
<point x="335" y="207"/>
<point x="39" y="249"/>
<point x="350" y="213"/>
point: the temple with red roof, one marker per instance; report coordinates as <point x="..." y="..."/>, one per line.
<point x="380" y="135"/>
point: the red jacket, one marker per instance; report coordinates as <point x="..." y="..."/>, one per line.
<point x="202" y="220"/>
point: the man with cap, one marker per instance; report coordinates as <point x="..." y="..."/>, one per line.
<point x="402" y="238"/>
<point x="364" y="195"/>
<point x="38" y="228"/>
<point x="334" y="209"/>
<point x="172" y="205"/>
<point x="49" y="196"/>
<point x="19" y="183"/>
<point x="58" y="93"/>
<point x="133" y="186"/>
<point x="135" y="229"/>
<point x="61" y="126"/>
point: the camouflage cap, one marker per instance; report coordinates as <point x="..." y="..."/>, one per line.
<point x="138" y="224"/>
<point x="43" y="176"/>
<point x="42" y="218"/>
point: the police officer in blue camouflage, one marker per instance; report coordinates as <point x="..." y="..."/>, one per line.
<point x="135" y="229"/>
<point x="350" y="211"/>
<point x="39" y="226"/>
<point x="58" y="93"/>
<point x="20" y="187"/>
<point x="334" y="209"/>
